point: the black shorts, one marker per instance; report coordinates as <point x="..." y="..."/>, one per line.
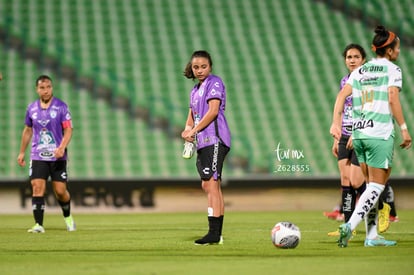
<point x="43" y="169"/>
<point x="344" y="153"/>
<point x="210" y="161"/>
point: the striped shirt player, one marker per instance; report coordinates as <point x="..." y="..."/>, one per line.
<point x="375" y="88"/>
<point x="372" y="115"/>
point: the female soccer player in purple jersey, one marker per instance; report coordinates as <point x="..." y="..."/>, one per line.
<point x="375" y="89"/>
<point x="48" y="124"/>
<point x="351" y="175"/>
<point x="206" y="125"/>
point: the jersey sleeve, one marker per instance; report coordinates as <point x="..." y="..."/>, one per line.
<point x="351" y="78"/>
<point x="28" y="120"/>
<point x="215" y="90"/>
<point x="66" y="117"/>
<point x="395" y="77"/>
<point x="343" y="82"/>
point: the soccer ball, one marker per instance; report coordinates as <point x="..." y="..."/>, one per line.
<point x="285" y="235"/>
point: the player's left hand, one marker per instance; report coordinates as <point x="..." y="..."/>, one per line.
<point x="349" y="145"/>
<point x="188" y="135"/>
<point x="406" y="144"/>
<point x="335" y="131"/>
<point x="59" y="152"/>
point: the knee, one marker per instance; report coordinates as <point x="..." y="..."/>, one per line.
<point x="62" y="194"/>
<point x="210" y="186"/>
<point x="205" y="186"/>
<point x="38" y="189"/>
<point x="345" y="180"/>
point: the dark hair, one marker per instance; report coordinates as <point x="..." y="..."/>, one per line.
<point x="380" y="41"/>
<point x="188" y="71"/>
<point x="43" y="78"/>
<point x="355" y="46"/>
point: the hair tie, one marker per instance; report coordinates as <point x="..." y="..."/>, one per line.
<point x="390" y="39"/>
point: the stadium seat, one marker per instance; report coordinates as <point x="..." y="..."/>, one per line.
<point x="280" y="60"/>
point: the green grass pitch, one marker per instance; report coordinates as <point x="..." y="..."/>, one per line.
<point x="158" y="243"/>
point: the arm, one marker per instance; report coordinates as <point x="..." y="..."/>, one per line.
<point x="335" y="148"/>
<point x="189" y="124"/>
<point x="26" y="137"/>
<point x="338" y="109"/>
<point x="67" y="136"/>
<point x="396" y="110"/>
<point x="210" y="116"/>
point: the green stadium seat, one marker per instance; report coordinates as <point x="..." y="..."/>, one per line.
<point x="280" y="60"/>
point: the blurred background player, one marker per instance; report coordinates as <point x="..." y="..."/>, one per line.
<point x="388" y="199"/>
<point x="48" y="124"/>
<point x="207" y="125"/>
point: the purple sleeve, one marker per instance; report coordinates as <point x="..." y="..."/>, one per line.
<point x="215" y="90"/>
<point x="343" y="81"/>
<point x="28" y="120"/>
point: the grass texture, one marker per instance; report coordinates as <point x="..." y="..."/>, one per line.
<point x="158" y="243"/>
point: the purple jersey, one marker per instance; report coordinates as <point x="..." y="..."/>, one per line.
<point x="47" y="125"/>
<point x="347" y="113"/>
<point x="218" y="130"/>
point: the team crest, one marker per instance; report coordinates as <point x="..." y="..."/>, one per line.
<point x="201" y="92"/>
<point x="53" y="114"/>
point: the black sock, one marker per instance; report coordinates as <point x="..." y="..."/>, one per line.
<point x="380" y="203"/>
<point x="214" y="225"/>
<point x="361" y="189"/>
<point x="213" y="235"/>
<point x="38" y="206"/>
<point x="348" y="198"/>
<point x="221" y="219"/>
<point x="393" y="211"/>
<point x="65" y="208"/>
<point x="388" y="197"/>
<point x="384" y="194"/>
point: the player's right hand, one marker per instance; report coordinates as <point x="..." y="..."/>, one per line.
<point x="335" y="148"/>
<point x="335" y="131"/>
<point x="20" y="160"/>
<point x="406" y="144"/>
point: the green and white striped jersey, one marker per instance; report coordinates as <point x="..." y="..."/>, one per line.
<point x="372" y="117"/>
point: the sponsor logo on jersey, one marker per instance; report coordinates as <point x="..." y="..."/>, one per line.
<point x="43" y="122"/>
<point x="46" y="155"/>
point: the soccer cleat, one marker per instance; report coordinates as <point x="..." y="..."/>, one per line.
<point x="334" y="215"/>
<point x="37" y="228"/>
<point x="336" y="233"/>
<point x="189" y="149"/>
<point x="208" y="239"/>
<point x="345" y="234"/>
<point x="340" y="218"/>
<point x="394" y="219"/>
<point x="70" y="223"/>
<point x="384" y="218"/>
<point x="221" y="240"/>
<point x="379" y="241"/>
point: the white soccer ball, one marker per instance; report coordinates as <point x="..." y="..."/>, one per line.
<point x="285" y="235"/>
